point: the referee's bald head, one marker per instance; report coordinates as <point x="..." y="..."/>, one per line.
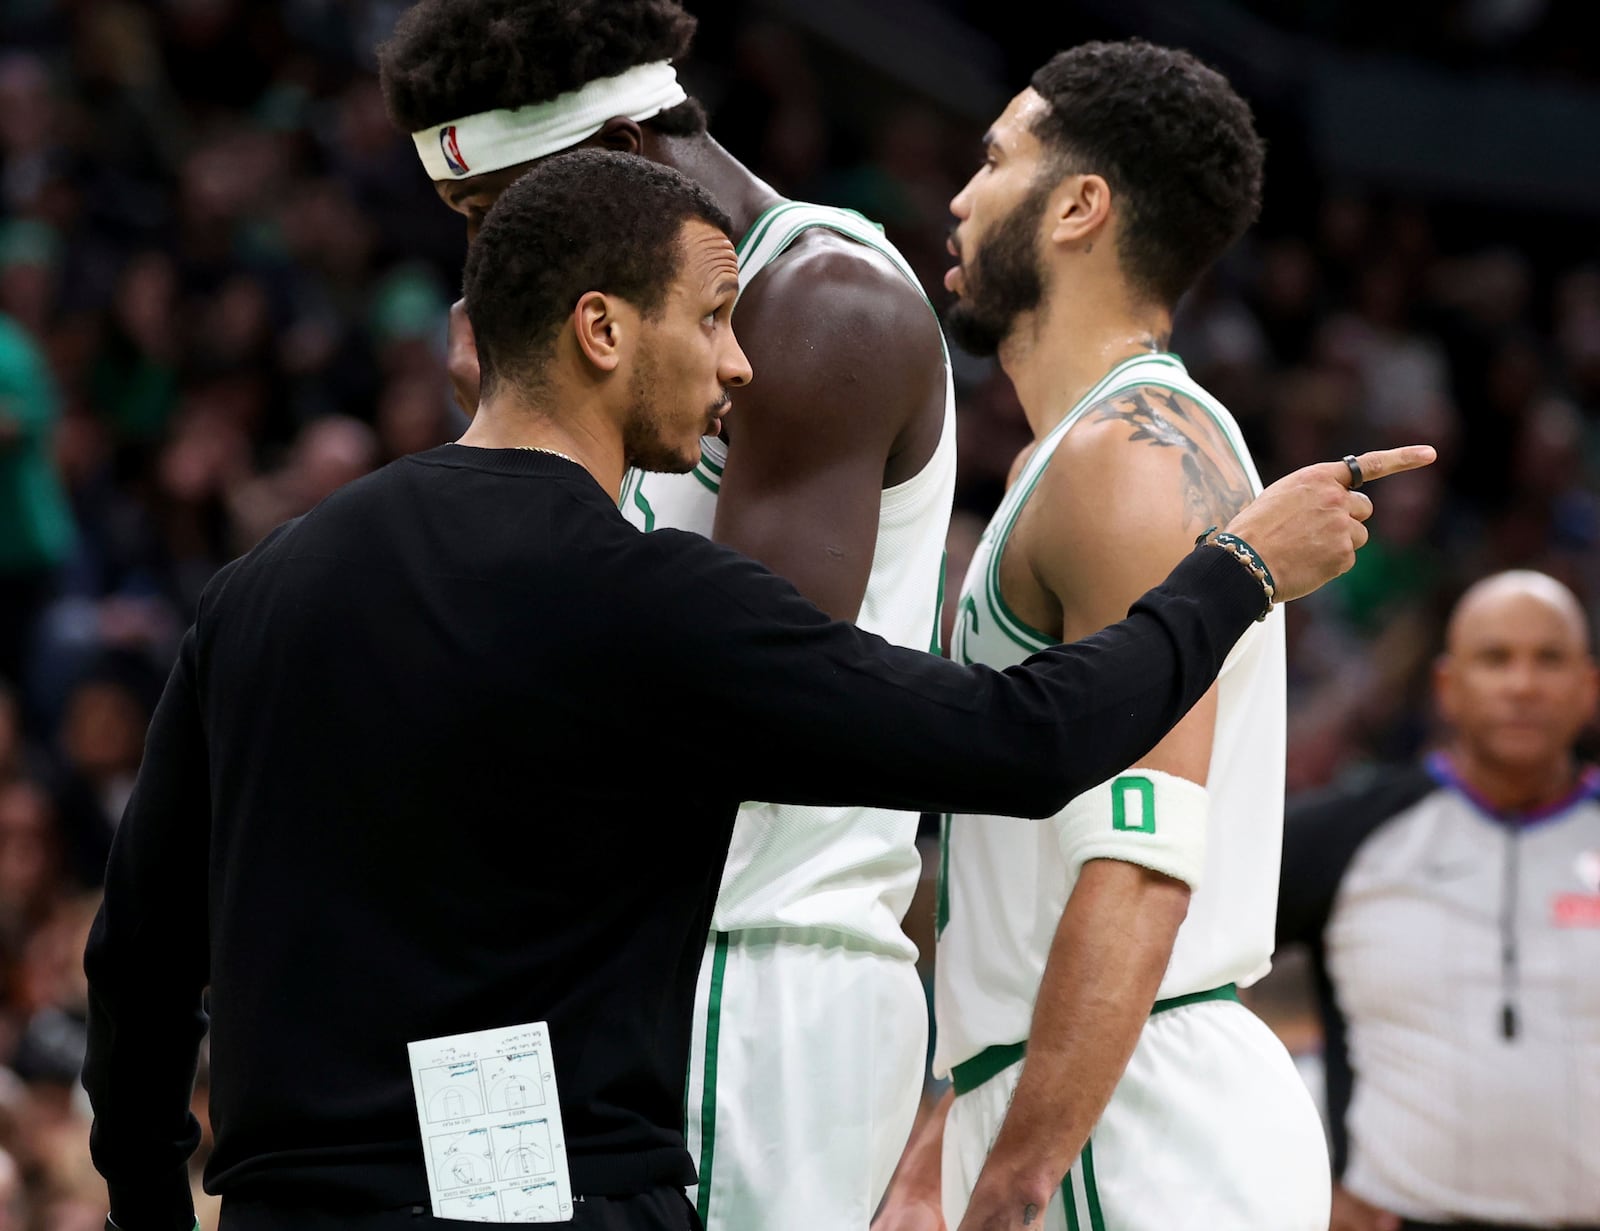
<point x="1502" y="596"/>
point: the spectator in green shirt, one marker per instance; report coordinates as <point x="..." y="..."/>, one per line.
<point x="36" y="528"/>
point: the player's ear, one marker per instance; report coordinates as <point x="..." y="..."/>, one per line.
<point x="1079" y="209"/>
<point x="621" y="134"/>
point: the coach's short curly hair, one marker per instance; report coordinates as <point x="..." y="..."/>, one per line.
<point x="579" y="221"/>
<point x="453" y="58"/>
<point x="1175" y="143"/>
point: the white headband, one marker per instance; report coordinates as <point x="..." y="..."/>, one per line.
<point x="494" y="140"/>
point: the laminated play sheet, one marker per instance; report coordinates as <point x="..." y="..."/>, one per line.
<point x="491" y="1126"/>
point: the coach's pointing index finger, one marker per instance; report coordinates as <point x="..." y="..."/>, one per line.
<point x="1383" y="462"/>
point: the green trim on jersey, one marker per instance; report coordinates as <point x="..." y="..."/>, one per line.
<point x="643" y="505"/>
<point x="1006" y="620"/>
<point x="708" y="1093"/>
<point x="708" y="470"/>
<point x="763" y="223"/>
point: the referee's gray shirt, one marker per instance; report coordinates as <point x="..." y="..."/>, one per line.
<point x="1457" y="958"/>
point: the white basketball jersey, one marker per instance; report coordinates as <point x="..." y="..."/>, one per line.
<point x="1004" y="882"/>
<point x="850" y="870"/>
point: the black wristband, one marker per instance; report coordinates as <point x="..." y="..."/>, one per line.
<point x="1247" y="556"/>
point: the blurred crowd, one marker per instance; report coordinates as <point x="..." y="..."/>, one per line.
<point x="223" y="291"/>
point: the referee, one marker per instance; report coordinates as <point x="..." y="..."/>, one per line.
<point x="1453" y="913"/>
<point x="403" y="748"/>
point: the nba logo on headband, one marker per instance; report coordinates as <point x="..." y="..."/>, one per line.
<point x="452" y="151"/>
<point x="509" y="137"/>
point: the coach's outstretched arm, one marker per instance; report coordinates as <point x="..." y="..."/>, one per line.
<point x="797" y="708"/>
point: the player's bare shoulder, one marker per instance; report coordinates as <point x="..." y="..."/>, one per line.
<point x="828" y="290"/>
<point x="1126" y="491"/>
<point x="838" y="335"/>
<point x="1154" y="448"/>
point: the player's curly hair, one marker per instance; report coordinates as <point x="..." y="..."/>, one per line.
<point x="453" y="58"/>
<point x="552" y="237"/>
<point x="1175" y="143"/>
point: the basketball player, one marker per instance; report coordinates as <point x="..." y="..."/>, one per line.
<point x="837" y="472"/>
<point x="1104" y="1073"/>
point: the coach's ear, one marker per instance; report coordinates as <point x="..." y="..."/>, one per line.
<point x="603" y="326"/>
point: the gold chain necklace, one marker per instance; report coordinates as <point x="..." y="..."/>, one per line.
<point x="552" y="452"/>
<point x="529" y="449"/>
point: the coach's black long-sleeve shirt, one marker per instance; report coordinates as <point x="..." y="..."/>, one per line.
<point x="462" y="749"/>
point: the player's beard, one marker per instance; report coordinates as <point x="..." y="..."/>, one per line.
<point x="1003" y="279"/>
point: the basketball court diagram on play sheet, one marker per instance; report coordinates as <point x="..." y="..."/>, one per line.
<point x="523" y="1150"/>
<point x="462" y="1159"/>
<point x="514" y="1082"/>
<point x="452" y="1092"/>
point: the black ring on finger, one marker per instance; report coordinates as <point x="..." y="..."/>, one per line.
<point x="1356" y="477"/>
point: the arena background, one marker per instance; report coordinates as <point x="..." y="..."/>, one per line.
<point x="223" y="284"/>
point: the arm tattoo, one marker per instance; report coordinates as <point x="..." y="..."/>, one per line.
<point x="1030" y="1214"/>
<point x="1213" y="491"/>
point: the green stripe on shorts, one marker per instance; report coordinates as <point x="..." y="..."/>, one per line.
<point x="708" y="1092"/>
<point x="1091" y="1194"/>
<point x="1097" y="1220"/>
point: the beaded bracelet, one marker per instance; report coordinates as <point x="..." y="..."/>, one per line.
<point x="1247" y="556"/>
